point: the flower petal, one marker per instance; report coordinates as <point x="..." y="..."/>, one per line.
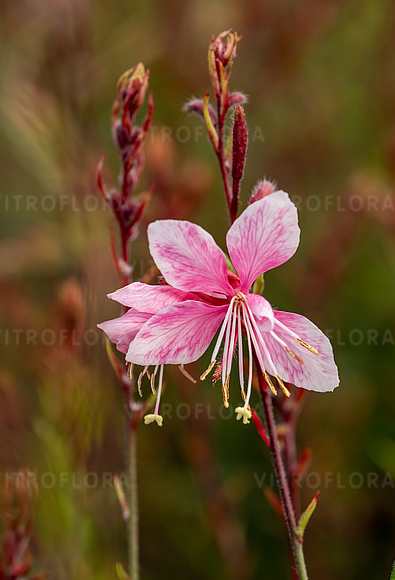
<point x="178" y="334"/>
<point x="262" y="311"/>
<point x="188" y="257"/>
<point x="123" y="329"/>
<point x="306" y="369"/>
<point x="146" y="297"/>
<point x="265" y="236"/>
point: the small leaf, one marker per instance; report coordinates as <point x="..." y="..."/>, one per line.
<point x="209" y="123"/>
<point x="393" y="572"/>
<point x="306" y="515"/>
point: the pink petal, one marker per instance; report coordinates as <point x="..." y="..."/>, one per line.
<point x="179" y="334"/>
<point x="265" y="236"/>
<point x="188" y="257"/>
<point x="262" y="311"/>
<point x="146" y="297"/>
<point x="123" y="329"/>
<point x="315" y="372"/>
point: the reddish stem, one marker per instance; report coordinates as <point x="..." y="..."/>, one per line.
<point x="279" y="469"/>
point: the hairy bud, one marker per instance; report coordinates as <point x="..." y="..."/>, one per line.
<point x="239" y="152"/>
<point x="262" y="189"/>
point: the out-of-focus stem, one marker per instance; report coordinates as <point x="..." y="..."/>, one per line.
<point x="134" y="567"/>
<point x="296" y="545"/>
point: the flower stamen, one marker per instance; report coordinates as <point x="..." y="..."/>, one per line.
<point x="307" y="346"/>
<point x="155" y="416"/>
<point x="283" y="387"/>
<point x="302" y="342"/>
<point x="286" y="347"/>
<point x="186" y="374"/>
<point x="269" y="383"/>
<point x="140" y="380"/>
<point x="204" y="375"/>
<point x="152" y="380"/>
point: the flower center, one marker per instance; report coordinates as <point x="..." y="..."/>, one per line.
<point x="253" y="319"/>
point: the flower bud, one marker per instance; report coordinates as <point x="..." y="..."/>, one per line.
<point x="221" y="53"/>
<point x="237" y="98"/>
<point x="224" y="46"/>
<point x="261" y="190"/>
<point x="239" y="152"/>
<point x="132" y="87"/>
<point x="196" y="106"/>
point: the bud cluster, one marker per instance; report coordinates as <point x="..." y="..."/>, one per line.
<point x="232" y="158"/>
<point x="129" y="138"/>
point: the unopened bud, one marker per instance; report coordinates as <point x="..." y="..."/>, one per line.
<point x="262" y="189"/>
<point x="239" y="153"/>
<point x="237" y="98"/>
<point x="132" y="88"/>
<point x="224" y="47"/>
<point x="221" y="53"/>
<point x="197" y="106"/>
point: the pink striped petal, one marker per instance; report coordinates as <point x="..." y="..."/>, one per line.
<point x="146" y="297"/>
<point x="179" y="334"/>
<point x="265" y="236"/>
<point x="188" y="257"/>
<point x="314" y="372"/>
<point x="123" y="329"/>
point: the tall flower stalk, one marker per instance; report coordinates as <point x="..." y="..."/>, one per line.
<point x="127" y="209"/>
<point x="288" y="469"/>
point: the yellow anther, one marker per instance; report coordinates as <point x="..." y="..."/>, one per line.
<point x="225" y="393"/>
<point x="243" y="413"/>
<point x="153" y="418"/>
<point x="270" y="384"/>
<point x="283" y="387"/>
<point x="208" y="370"/>
<point x="307" y="346"/>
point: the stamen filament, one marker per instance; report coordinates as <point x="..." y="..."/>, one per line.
<point x="231" y="344"/>
<point x="270" y="384"/>
<point x="222" y="331"/>
<point x="208" y="370"/>
<point x="159" y="390"/>
<point x="155" y="417"/>
<point x="152" y="380"/>
<point x="186" y="374"/>
<point x="283" y="387"/>
<point x="226" y="348"/>
<point x="240" y="348"/>
<point x="286" y="347"/>
<point x="297" y="338"/>
<point x="140" y="380"/>
<point x="249" y="386"/>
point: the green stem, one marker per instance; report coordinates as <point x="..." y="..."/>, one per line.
<point x="300" y="561"/>
<point x="134" y="568"/>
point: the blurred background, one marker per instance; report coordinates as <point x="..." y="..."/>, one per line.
<point x="320" y="77"/>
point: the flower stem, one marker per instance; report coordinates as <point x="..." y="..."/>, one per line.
<point x="295" y="544"/>
<point x="134" y="568"/>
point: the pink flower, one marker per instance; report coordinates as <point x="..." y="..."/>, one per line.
<point x="175" y="324"/>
